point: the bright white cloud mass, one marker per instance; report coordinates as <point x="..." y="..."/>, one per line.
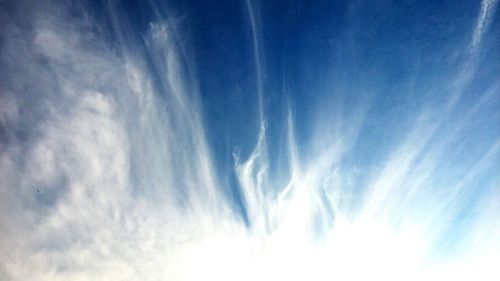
<point x="111" y="165"/>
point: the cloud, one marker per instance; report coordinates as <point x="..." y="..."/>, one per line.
<point x="472" y="58"/>
<point x="106" y="172"/>
<point x="99" y="179"/>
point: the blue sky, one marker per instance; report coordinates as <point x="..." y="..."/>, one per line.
<point x="249" y="140"/>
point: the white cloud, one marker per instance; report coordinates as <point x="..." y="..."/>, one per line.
<point x="90" y="191"/>
<point x="107" y="175"/>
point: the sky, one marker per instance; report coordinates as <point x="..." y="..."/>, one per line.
<point x="249" y="140"/>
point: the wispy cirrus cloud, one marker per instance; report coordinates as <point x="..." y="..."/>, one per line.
<point x="102" y="177"/>
<point x="106" y="171"/>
